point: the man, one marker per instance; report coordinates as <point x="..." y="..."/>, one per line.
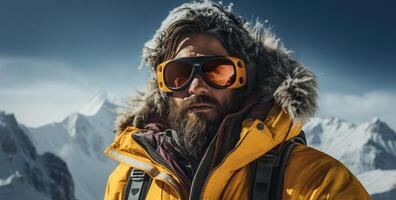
<point x="224" y="99"/>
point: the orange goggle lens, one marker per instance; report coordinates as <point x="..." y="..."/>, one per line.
<point x="219" y="72"/>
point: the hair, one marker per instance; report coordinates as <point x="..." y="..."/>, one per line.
<point x="181" y="29"/>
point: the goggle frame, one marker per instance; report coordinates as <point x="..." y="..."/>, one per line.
<point x="197" y="63"/>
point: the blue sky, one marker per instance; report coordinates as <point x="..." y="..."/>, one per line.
<point x="54" y="54"/>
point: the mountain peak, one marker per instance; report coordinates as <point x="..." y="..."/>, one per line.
<point x="21" y="182"/>
<point x="95" y="103"/>
<point x="376" y="125"/>
<point x="376" y="120"/>
<point x="333" y="120"/>
<point x="7" y="119"/>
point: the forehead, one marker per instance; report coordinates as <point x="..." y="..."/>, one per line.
<point x="200" y="44"/>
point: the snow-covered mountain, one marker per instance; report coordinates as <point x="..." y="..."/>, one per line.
<point x="24" y="174"/>
<point x="80" y="140"/>
<point x="367" y="149"/>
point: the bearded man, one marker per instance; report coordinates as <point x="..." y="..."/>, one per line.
<point x="221" y="118"/>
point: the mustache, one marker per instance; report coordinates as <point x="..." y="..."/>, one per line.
<point x="186" y="103"/>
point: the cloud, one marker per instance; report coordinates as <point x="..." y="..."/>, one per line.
<point x="360" y="108"/>
<point x="42" y="103"/>
<point x="20" y="71"/>
<point x="40" y="91"/>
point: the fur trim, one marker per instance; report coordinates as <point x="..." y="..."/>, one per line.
<point x="289" y="82"/>
<point x="139" y="108"/>
<point x="297" y="94"/>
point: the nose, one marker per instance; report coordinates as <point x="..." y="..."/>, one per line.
<point x="198" y="86"/>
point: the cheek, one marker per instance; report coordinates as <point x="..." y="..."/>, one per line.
<point x="179" y="95"/>
<point x="224" y="97"/>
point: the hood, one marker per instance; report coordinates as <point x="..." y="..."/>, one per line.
<point x="274" y="72"/>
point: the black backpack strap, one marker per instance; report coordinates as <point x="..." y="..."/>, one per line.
<point x="262" y="179"/>
<point x="300" y="138"/>
<point x="279" y="170"/>
<point x="137" y="185"/>
<point x="270" y="168"/>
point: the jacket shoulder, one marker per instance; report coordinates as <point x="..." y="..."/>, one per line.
<point x="313" y="174"/>
<point x="123" y="141"/>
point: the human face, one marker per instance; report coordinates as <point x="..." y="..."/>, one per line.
<point x="200" y="45"/>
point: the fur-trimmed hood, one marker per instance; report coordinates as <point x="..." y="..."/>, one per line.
<point x="279" y="75"/>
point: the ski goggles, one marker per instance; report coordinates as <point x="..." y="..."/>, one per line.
<point x="217" y="71"/>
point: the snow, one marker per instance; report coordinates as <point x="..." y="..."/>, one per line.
<point x="24" y="173"/>
<point x="80" y="140"/>
<point x="2" y="115"/>
<point x="8" y="180"/>
<point x="378" y="181"/>
<point x="351" y="143"/>
<point x="367" y="149"/>
<point x="94" y="104"/>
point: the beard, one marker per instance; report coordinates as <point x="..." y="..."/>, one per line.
<point x="194" y="131"/>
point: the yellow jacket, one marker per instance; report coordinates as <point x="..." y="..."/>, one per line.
<point x="309" y="174"/>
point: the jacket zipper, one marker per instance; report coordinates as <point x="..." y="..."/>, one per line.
<point x="211" y="173"/>
<point x="153" y="154"/>
<point x="203" y="162"/>
<point x="214" y="169"/>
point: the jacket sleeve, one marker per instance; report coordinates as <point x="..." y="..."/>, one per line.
<point x="311" y="174"/>
<point x="338" y="183"/>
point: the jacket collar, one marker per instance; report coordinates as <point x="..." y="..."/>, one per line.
<point x="276" y="128"/>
